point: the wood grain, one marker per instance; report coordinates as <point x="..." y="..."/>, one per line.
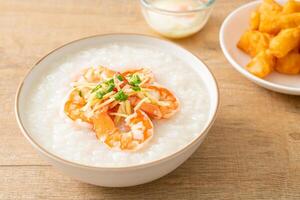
<point x="252" y="151"/>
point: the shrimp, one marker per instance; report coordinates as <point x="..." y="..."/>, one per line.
<point x="152" y="110"/>
<point x="98" y="74"/>
<point x="163" y="103"/>
<point x="129" y="134"/>
<point x="73" y="106"/>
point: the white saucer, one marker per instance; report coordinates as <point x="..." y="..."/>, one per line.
<point x="232" y="28"/>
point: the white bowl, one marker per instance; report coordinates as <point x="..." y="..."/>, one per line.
<point x="118" y="176"/>
<point x="232" y="28"/>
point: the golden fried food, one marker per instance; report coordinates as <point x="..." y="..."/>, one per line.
<point x="254" y="20"/>
<point x="262" y="64"/>
<point x="285" y="41"/>
<point x="272" y="18"/>
<point x="273" y="38"/>
<point x="289" y="20"/>
<point x="290" y="64"/>
<point x="269" y="23"/>
<point x="268" y="6"/>
<point x="252" y="42"/>
<point x="269" y="12"/>
<point x="291" y="6"/>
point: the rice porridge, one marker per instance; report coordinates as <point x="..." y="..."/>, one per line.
<point x="76" y="141"/>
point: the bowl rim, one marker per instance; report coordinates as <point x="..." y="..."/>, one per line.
<point x="241" y="69"/>
<point x="147" y="4"/>
<point x="110" y="168"/>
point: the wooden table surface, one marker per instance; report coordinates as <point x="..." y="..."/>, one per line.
<point x="251" y="152"/>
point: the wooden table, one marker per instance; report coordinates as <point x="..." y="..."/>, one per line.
<point x="252" y="151"/>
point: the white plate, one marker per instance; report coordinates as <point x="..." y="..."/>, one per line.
<point x="232" y="28"/>
<point x="128" y="175"/>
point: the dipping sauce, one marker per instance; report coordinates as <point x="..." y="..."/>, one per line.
<point x="177" y="18"/>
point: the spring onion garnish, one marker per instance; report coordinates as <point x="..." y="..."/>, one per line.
<point x="134" y="80"/>
<point x="119" y="77"/>
<point x="110" y="82"/>
<point x="104" y="88"/>
<point x="99" y="95"/>
<point x="136" y="88"/>
<point x="121" y="96"/>
<point x="110" y="88"/>
<point x="96" y="88"/>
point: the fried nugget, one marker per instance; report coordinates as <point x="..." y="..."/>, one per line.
<point x="252" y="42"/>
<point x="285" y="41"/>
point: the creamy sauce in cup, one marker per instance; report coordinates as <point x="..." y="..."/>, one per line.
<point x="179" y="24"/>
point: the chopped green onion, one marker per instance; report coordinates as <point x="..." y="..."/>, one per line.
<point x="110" y="85"/>
<point x="135" y="80"/>
<point x="136" y="88"/>
<point x="96" y="88"/>
<point x="99" y="95"/>
<point x="110" y="88"/>
<point x="119" y="77"/>
<point x="104" y="88"/>
<point x="110" y="82"/>
<point x="121" y="96"/>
